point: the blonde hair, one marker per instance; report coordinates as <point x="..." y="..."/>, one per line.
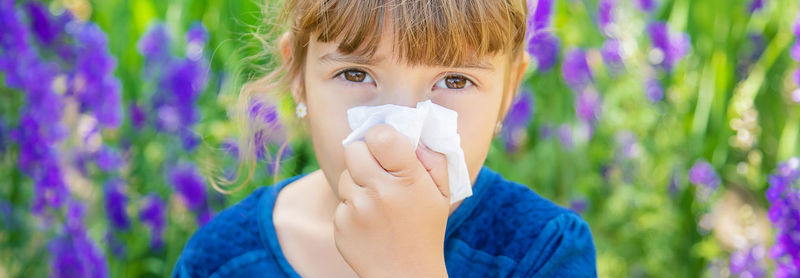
<point x="432" y="32"/>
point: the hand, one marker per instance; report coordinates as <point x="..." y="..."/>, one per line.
<point x="394" y="206"/>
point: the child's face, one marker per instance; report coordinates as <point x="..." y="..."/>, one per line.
<point x="335" y="83"/>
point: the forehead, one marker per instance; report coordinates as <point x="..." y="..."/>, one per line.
<point x="386" y="52"/>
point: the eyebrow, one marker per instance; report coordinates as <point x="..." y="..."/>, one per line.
<point x="360" y="59"/>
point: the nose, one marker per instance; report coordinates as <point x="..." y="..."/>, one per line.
<point x="407" y="93"/>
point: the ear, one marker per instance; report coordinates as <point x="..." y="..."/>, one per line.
<point x="287" y="55"/>
<point x="516" y="71"/>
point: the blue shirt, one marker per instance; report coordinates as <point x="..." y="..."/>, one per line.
<point x="503" y="230"/>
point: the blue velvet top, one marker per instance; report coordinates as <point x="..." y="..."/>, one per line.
<point x="503" y="230"/>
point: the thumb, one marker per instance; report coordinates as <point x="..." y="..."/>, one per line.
<point x="436" y="165"/>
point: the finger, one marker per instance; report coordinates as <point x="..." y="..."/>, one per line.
<point x="346" y="188"/>
<point x="362" y="167"/>
<point x="392" y="150"/>
<point x="436" y="165"/>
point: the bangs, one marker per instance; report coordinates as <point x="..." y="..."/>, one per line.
<point x="435" y="32"/>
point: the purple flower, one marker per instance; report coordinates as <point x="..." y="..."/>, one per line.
<point x="605" y="14"/>
<point x="515" y="125"/>
<point x="153" y="214"/>
<point x="155" y="44"/>
<point x="542" y="45"/>
<point x="287" y="153"/>
<point x="545" y="131"/>
<point x="795" y="51"/>
<point x="108" y="159"/>
<point x="3" y="134"/>
<point x="796" y="27"/>
<point x="653" y="90"/>
<point x="99" y="90"/>
<point x="755" y="5"/>
<point x="627" y="145"/>
<point x="231" y="147"/>
<point x="74" y="254"/>
<point x="114" y="244"/>
<point x="540" y="13"/>
<point x="46" y="27"/>
<point x="784" y="212"/>
<point x="702" y="173"/>
<point x="49" y="187"/>
<point x="264" y="116"/>
<point x="565" y="136"/>
<point x="795" y="98"/>
<point x="196" y="38"/>
<point x="668" y="48"/>
<point x="13" y="34"/>
<point x="189" y="184"/>
<point x="748" y="262"/>
<point x="611" y="53"/>
<point x="645" y="5"/>
<point x="544" y="49"/>
<point x="137" y="116"/>
<point x="588" y="106"/>
<point x="115" y="203"/>
<point x="575" y="70"/>
<point x="579" y="205"/>
<point x="180" y="80"/>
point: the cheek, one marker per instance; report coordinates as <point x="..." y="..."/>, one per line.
<point x="327" y="117"/>
<point x="477" y="117"/>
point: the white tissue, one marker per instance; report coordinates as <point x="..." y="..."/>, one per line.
<point x="432" y="124"/>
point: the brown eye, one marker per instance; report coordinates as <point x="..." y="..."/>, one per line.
<point x="454" y="82"/>
<point x="359" y="76"/>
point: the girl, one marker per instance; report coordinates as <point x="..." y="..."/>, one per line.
<point x="380" y="208"/>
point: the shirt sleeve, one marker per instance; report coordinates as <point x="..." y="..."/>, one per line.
<point x="564" y="248"/>
<point x="180" y="270"/>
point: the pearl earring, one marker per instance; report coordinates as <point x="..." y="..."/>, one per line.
<point x="301" y="110"/>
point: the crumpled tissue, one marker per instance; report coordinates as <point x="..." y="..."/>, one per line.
<point x="433" y="125"/>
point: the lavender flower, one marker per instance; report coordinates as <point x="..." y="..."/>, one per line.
<point x="541" y="12"/>
<point x="653" y="90"/>
<point x="579" y="205"/>
<point x="668" y="47"/>
<point x="153" y="214"/>
<point x="645" y="5"/>
<point x="575" y="70"/>
<point x="702" y="173"/>
<point x="748" y="262"/>
<point x="565" y="136"/>
<point x="795" y="97"/>
<point x="3" y="134"/>
<point x="605" y="14"/>
<point x="74" y="254"/>
<point x="755" y="5"/>
<point x="49" y="187"/>
<point x="611" y="53"/>
<point x="627" y="145"/>
<point x="155" y="44"/>
<point x="542" y="45"/>
<point x="544" y="49"/>
<point x="137" y="116"/>
<point x="515" y="125"/>
<point x="784" y="212"/>
<point x="190" y="184"/>
<point x="115" y="203"/>
<point x="108" y="159"/>
<point x="588" y="106"/>
<point x="180" y="80"/>
<point x="94" y="70"/>
<point x="46" y="28"/>
<point x="264" y="116"/>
